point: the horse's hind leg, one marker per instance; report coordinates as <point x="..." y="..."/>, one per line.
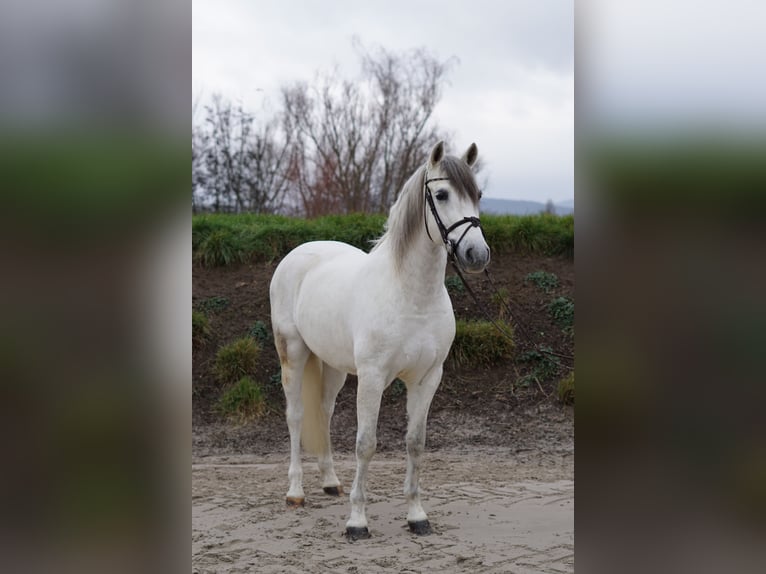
<point x="332" y="382"/>
<point x="293" y="354"/>
<point x="418" y="402"/>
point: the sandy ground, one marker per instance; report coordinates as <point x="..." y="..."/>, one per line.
<point x="492" y="510"/>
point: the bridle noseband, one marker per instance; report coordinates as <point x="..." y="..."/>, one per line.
<point x="450" y="245"/>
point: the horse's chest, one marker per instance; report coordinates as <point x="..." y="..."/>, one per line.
<point x="421" y="342"/>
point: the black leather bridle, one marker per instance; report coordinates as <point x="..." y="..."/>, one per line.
<point x="450" y="245"/>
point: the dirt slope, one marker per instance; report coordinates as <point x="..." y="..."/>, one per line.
<point x="491" y="395"/>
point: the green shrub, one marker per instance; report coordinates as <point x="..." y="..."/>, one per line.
<point x="260" y="332"/>
<point x="542" y="279"/>
<point x="561" y="310"/>
<point x="200" y="329"/>
<point x="236" y="360"/>
<point x="397" y="388"/>
<point x="213" y="304"/>
<point x="544" y="366"/>
<point x="244" y="400"/>
<point x="566" y="389"/>
<point x="479" y="344"/>
<point x="454" y="284"/>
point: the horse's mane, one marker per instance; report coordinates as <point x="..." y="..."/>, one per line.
<point x="405" y="220"/>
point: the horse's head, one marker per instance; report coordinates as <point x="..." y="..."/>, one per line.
<point x="452" y="207"/>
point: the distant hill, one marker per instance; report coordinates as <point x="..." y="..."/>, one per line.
<point x="522" y="207"/>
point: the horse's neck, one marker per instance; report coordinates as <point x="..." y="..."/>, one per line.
<point x="421" y="272"/>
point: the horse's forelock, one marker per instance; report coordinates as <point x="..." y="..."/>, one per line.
<point x="461" y="175"/>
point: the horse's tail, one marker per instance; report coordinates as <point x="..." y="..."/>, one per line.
<point x="314" y="427"/>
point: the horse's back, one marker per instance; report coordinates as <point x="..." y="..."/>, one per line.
<point x="296" y="266"/>
<point x="307" y="257"/>
<point x="322" y="249"/>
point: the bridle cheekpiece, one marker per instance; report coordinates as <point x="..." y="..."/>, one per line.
<point x="450" y="245"/>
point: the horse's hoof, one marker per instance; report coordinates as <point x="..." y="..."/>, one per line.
<point x="295" y="502"/>
<point x="354" y="533"/>
<point x="333" y="490"/>
<point x="420" y="527"/>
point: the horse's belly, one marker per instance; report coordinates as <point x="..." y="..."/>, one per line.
<point x="329" y="344"/>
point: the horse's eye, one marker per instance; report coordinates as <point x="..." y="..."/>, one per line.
<point x="480" y="193"/>
<point x="442" y="194"/>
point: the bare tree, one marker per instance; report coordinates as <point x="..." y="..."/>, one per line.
<point x="226" y="129"/>
<point x="337" y="145"/>
<point x="334" y="140"/>
<point x="357" y="142"/>
<point x="268" y="157"/>
<point x="550" y="207"/>
<point x="198" y="170"/>
<point x="408" y="87"/>
<point x="237" y="163"/>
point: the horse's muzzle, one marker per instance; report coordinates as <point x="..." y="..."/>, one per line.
<point x="473" y="258"/>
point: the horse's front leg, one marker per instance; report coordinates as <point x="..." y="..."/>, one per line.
<point x="419" y="397"/>
<point x="368" y="395"/>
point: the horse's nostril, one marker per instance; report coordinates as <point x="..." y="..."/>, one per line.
<point x="469" y="254"/>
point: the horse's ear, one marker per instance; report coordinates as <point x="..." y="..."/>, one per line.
<point x="437" y="153"/>
<point x="471" y="154"/>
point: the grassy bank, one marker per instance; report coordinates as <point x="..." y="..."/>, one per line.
<point x="221" y="239"/>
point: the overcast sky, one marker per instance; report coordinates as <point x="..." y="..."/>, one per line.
<point x="512" y="91"/>
<point x="661" y="66"/>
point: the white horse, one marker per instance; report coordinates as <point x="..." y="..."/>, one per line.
<point x="384" y="315"/>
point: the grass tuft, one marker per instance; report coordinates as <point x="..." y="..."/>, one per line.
<point x="236" y="360"/>
<point x="220" y="247"/>
<point x="200" y="329"/>
<point x="480" y="344"/>
<point x="566" y="389"/>
<point x="242" y="401"/>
